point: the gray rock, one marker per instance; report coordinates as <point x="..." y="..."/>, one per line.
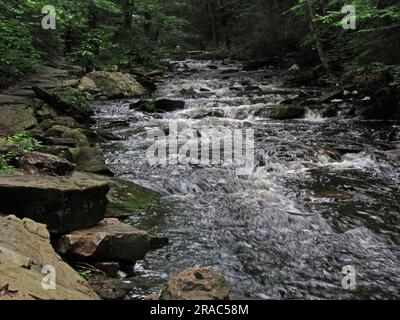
<point x="62" y="203"/>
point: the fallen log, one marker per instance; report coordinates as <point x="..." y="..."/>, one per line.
<point x="81" y="115"/>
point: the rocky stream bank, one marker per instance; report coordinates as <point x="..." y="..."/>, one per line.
<point x="60" y="206"/>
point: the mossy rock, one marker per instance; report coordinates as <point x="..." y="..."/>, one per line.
<point x="77" y="135"/>
<point x="88" y="159"/>
<point x="287" y="113"/>
<point x="15" y="118"/>
<point x="115" y="85"/>
<point x="127" y="198"/>
<point x="73" y="97"/>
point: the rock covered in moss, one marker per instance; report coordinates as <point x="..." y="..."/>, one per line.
<point x="75" y="136"/>
<point x="113" y="85"/>
<point x="198" y="283"/>
<point x="16" y="118"/>
<point x="88" y="159"/>
<point x="25" y="251"/>
<point x="287" y="112"/>
<point x="62" y="203"/>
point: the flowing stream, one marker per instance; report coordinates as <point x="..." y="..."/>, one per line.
<point x="286" y="230"/>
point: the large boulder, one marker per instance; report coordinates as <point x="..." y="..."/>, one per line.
<point x="37" y="162"/>
<point x="196" y="284"/>
<point x="62" y="203"/>
<point x="15" y="118"/>
<point x="113" y="85"/>
<point x="110" y="240"/>
<point x="25" y="250"/>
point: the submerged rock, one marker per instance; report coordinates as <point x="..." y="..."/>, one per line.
<point x="287" y="112"/>
<point x="110" y="240"/>
<point x="25" y="252"/>
<point x="115" y="85"/>
<point x="62" y="203"/>
<point x="196" y="284"/>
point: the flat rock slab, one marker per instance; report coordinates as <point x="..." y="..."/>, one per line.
<point x="64" y="204"/>
<point x="10" y="99"/>
<point x="25" y="251"/>
<point x="110" y="240"/>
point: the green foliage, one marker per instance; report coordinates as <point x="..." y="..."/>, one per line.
<point x="26" y="144"/>
<point x="5" y="167"/>
<point x="19" y="144"/>
<point x="86" y="274"/>
<point x="17" y="55"/>
<point x="73" y="96"/>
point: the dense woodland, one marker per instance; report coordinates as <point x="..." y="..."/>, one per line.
<point x="98" y="33"/>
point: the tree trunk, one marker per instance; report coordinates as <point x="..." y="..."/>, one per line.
<point x="315" y="30"/>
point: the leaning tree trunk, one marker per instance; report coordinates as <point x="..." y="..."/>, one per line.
<point x="315" y="30"/>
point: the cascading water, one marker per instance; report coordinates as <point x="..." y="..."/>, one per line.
<point x="287" y="230"/>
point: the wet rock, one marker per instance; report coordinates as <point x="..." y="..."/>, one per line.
<point x="147" y="84"/>
<point x="116" y="85"/>
<point x="16" y="118"/>
<point x="88" y="159"/>
<point x="212" y="67"/>
<point x="329" y="112"/>
<point x="110" y="240"/>
<point x="62" y="203"/>
<point x="214" y="113"/>
<point x="330" y="196"/>
<point x="163" y="105"/>
<point x="287" y="112"/>
<point x="196" y="284"/>
<point x="110" y="289"/>
<point x="155" y="73"/>
<point x="109" y="268"/>
<point x="24" y="250"/>
<point x="331" y="96"/>
<point x="329" y="153"/>
<point x="37" y="162"/>
<point x="169" y="105"/>
<point x="127" y="198"/>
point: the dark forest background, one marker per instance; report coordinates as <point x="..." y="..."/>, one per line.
<point x="141" y="33"/>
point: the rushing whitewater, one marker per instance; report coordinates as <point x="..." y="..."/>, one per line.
<point x="288" y="228"/>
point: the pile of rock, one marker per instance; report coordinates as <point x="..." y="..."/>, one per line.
<point x="56" y="190"/>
